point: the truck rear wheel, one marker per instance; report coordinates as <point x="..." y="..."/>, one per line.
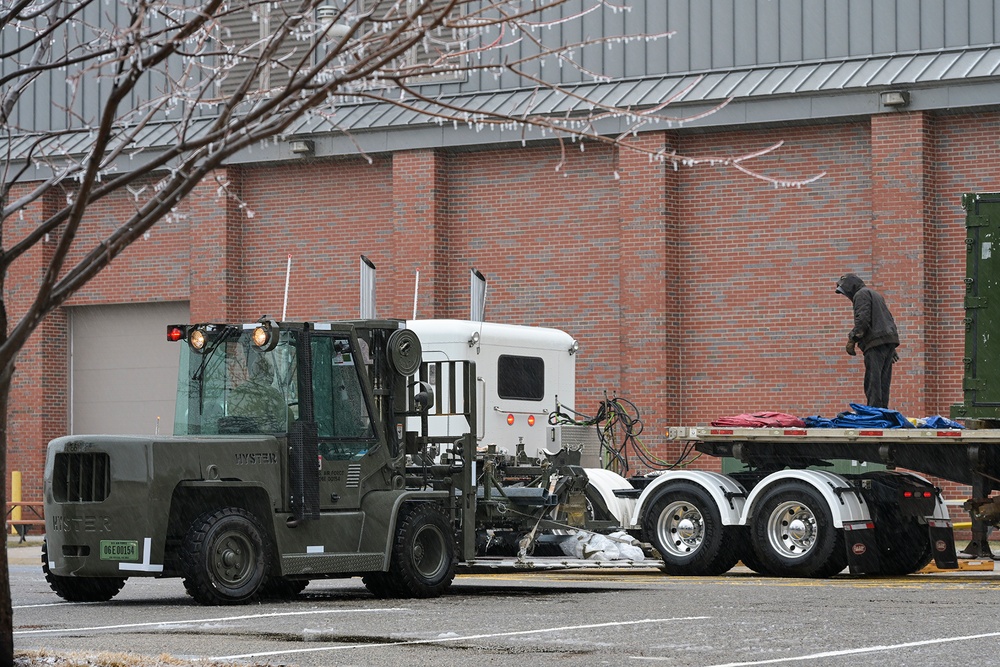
<point x="422" y="564"/>
<point x="794" y="535"/>
<point x="685" y="526"/>
<point x="224" y="558"/>
<point x="80" y="589"/>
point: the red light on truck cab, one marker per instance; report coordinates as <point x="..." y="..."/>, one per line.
<point x="510" y="420"/>
<point x="531" y="420"/>
<point x="175" y="333"/>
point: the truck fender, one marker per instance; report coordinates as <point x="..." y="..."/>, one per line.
<point x="728" y="494"/>
<point x="845" y="507"/>
<point x="605" y="482"/>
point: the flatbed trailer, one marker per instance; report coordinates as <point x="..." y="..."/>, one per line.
<point x="966" y="456"/>
<point x="787" y="514"/>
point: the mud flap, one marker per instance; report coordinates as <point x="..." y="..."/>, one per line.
<point x="862" y="549"/>
<point x="942" y="539"/>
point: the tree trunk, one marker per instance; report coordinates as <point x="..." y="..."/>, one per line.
<point x="6" y="607"/>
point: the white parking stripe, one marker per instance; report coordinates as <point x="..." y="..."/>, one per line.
<point x="441" y="640"/>
<point x="836" y="654"/>
<point x="219" y="619"/>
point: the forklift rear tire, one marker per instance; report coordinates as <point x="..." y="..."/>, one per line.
<point x="225" y="557"/>
<point x="423" y="556"/>
<point x="80" y="589"/>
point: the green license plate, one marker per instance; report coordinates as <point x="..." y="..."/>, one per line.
<point x="119" y="550"/>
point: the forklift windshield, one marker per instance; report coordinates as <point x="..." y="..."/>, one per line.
<point x="232" y="385"/>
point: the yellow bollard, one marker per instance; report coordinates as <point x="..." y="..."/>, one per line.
<point x="15" y="495"/>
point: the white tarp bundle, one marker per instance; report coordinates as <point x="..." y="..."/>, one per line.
<point x="592" y="546"/>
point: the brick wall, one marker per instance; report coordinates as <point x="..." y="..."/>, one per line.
<point x="696" y="293"/>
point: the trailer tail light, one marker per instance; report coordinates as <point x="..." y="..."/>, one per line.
<point x="531" y="420"/>
<point x="510" y="420"/>
<point x="917" y="494"/>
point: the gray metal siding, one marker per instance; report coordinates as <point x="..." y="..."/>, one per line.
<point x="716" y="36"/>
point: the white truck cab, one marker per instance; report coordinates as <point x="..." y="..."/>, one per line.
<point x="523" y="374"/>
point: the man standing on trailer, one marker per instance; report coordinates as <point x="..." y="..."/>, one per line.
<point x="875" y="333"/>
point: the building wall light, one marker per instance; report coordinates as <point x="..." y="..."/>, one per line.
<point x="895" y="98"/>
<point x="301" y="147"/>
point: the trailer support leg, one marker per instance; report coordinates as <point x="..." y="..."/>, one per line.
<point x="979" y="547"/>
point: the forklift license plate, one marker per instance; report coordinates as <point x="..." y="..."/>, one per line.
<point x="119" y="550"/>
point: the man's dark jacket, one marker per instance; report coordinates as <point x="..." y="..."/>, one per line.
<point x="873" y="323"/>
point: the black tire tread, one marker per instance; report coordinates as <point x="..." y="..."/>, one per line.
<point x="80" y="589"/>
<point x="718" y="553"/>
<point x="198" y="581"/>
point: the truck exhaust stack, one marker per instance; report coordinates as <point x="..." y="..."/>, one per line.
<point x="477" y="296"/>
<point x="367" y="309"/>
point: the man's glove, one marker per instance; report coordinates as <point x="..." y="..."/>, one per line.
<point x="895" y="357"/>
<point x="850" y="347"/>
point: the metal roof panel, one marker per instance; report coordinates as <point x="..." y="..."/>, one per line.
<point x="914" y="69"/>
<point x="987" y="66"/>
<point x="839" y="78"/>
<point x="888" y="74"/>
<point x="938" y="67"/>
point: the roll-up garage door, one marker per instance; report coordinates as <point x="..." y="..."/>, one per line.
<point x="123" y="371"/>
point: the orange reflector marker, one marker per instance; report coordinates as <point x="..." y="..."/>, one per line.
<point x="869" y="432"/>
<point x="949" y="434"/>
<point x="531" y="420"/>
<point x="510" y="420"/>
<point x="795" y="431"/>
<point x="721" y="431"/>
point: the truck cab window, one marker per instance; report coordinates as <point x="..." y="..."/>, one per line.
<point x="520" y="378"/>
<point x="343" y="423"/>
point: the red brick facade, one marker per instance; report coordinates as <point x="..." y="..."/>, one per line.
<point x="695" y="293"/>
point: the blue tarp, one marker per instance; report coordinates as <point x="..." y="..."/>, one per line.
<point x="864" y="416"/>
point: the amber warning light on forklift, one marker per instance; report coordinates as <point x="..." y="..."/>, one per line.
<point x="531" y="420"/>
<point x="265" y="336"/>
<point x="510" y="420"/>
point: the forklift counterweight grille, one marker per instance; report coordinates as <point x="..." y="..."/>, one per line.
<point x="81" y="477"/>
